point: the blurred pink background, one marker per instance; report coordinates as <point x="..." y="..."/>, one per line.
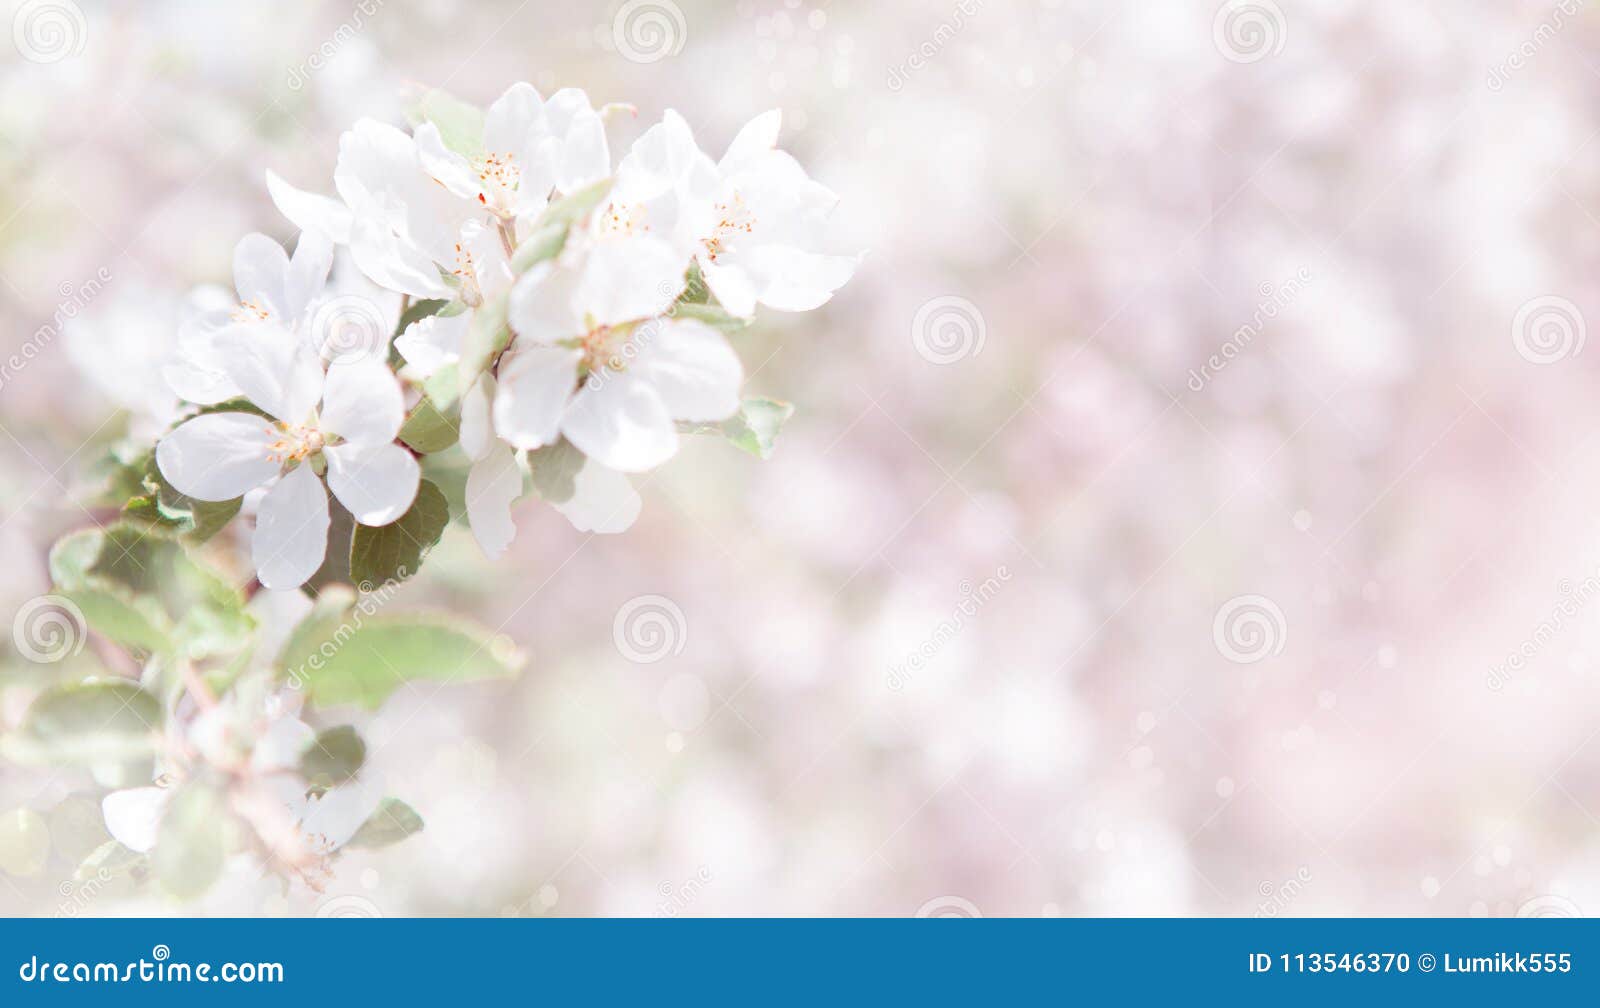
<point x="1190" y="508"/>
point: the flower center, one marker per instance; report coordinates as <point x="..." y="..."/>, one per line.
<point x="499" y="175"/>
<point x="293" y="442"/>
<point x="620" y="220"/>
<point x="597" y="350"/>
<point x="251" y="311"/>
<point x="467" y="270"/>
<point x="733" y="219"/>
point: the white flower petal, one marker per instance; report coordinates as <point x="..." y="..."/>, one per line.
<point x="392" y="262"/>
<point x="452" y="170"/>
<point x="733" y="287"/>
<point x="635" y="278"/>
<point x="431" y="343"/>
<point x="375" y="483"/>
<point x="692" y="368"/>
<point x="281" y="745"/>
<point x="477" y="424"/>
<point x="789" y="279"/>
<point x="259" y="268"/>
<point x="535" y="385"/>
<point x="332" y="819"/>
<point x="307" y="273"/>
<point x="585" y="158"/>
<point x="758" y="136"/>
<point x="218" y="456"/>
<point x="197" y="385"/>
<point x="494" y="481"/>
<point x="277" y="370"/>
<point x="291" y="536"/>
<point x="541" y="309"/>
<point x="310" y="211"/>
<point x="514" y="118"/>
<point x="602" y="500"/>
<point x="620" y="421"/>
<point x="133" y="816"/>
<point x="362" y="402"/>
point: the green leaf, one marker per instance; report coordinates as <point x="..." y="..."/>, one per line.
<point x="487" y="335"/>
<point x="460" y="124"/>
<point x="573" y="207"/>
<point x="394" y="552"/>
<point x="429" y="429"/>
<point x="107" y="861"/>
<point x="190" y="847"/>
<point x="333" y="757"/>
<point x="715" y="316"/>
<point x="393" y="821"/>
<point x="418" y="311"/>
<point x="361" y="657"/>
<point x="335" y="569"/>
<point x="555" y="468"/>
<point x="196" y="520"/>
<point x="755" y="427"/>
<point x="99" y="721"/>
<point x="546" y="242"/>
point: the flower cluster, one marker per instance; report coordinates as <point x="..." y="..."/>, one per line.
<point x="560" y="319"/>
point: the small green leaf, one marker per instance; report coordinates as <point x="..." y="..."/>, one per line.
<point x="394" y="552"/>
<point x="755" y="427"/>
<point x="487" y="335"/>
<point x="545" y="243"/>
<point x="393" y="821"/>
<point x="190" y="847"/>
<point x="715" y="316"/>
<point x="361" y="656"/>
<point x="429" y="429"/>
<point x="418" y="311"/>
<point x="107" y="861"/>
<point x="573" y="207"/>
<point x="335" y="569"/>
<point x="99" y="721"/>
<point x="555" y="468"/>
<point x="196" y="520"/>
<point x="460" y="124"/>
<point x="333" y="757"/>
